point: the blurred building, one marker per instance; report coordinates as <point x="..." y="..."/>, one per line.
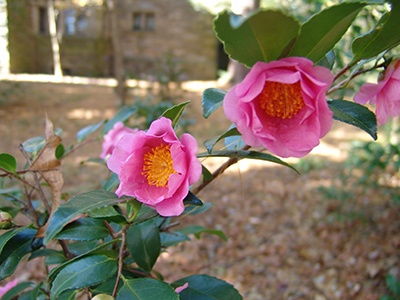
<point x="157" y="37"/>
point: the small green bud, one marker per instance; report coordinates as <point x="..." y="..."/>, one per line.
<point x="5" y="220"/>
<point x="103" y="297"/>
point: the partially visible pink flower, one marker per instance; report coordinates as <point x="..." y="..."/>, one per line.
<point x="181" y="288"/>
<point x="156" y="167"/>
<point x="8" y="287"/>
<point x="281" y="105"/>
<point x="113" y="136"/>
<point x="385" y="94"/>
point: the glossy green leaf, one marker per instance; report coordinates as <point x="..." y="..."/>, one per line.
<point x="46" y="252"/>
<point x="146" y="289"/>
<point x="198" y="230"/>
<point x="191" y="199"/>
<point x="67" y="295"/>
<point x="171" y="239"/>
<point x="16" y="290"/>
<point x="210" y="143"/>
<point x="84" y="272"/>
<point x="386" y="297"/>
<point x="6" y="236"/>
<point x="195" y="210"/>
<point x="86" y="229"/>
<point x="322" y="31"/>
<point x="246" y="154"/>
<point x="8" y="162"/>
<point x="108" y="213"/>
<point x="263" y="36"/>
<point x="83" y="133"/>
<point x="206" y="173"/>
<point x="354" y="114"/>
<point x="145" y="213"/>
<point x="122" y="115"/>
<point x="393" y="284"/>
<point x="15" y="250"/>
<point x="111" y="183"/>
<point x="204" y="287"/>
<point x="212" y="99"/>
<point x="78" y="205"/>
<point x="175" y="113"/>
<point x="144" y="245"/>
<point x="385" y="35"/>
<point x="81" y="247"/>
<point x="328" y="60"/>
<point x="234" y="141"/>
<point x="93" y="251"/>
<point x="35" y="144"/>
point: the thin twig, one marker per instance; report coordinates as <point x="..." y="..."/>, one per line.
<point x="9" y="174"/>
<point x="120" y="260"/>
<point x="73" y="149"/>
<point x="218" y="172"/>
<point x="63" y="244"/>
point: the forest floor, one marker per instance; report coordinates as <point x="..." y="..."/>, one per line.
<point x="319" y="235"/>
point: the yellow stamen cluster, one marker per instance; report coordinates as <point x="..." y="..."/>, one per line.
<point x="281" y="100"/>
<point x="157" y="166"/>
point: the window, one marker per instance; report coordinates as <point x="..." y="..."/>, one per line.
<point x="43" y="20"/>
<point x="143" y="21"/>
<point x="70" y="21"/>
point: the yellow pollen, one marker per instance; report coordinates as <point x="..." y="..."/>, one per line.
<point x="157" y="166"/>
<point x="281" y="100"/>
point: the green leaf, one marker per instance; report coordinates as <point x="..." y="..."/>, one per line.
<point x="144" y="245"/>
<point x="60" y="150"/>
<point x="191" y="199"/>
<point x="386" y="297"/>
<point x="195" y="210"/>
<point x="206" y="173"/>
<point x="146" y="289"/>
<point x="246" y="154"/>
<point x="122" y="115"/>
<point x="68" y="295"/>
<point x="46" y="252"/>
<point x="354" y="114"/>
<point x="175" y="113"/>
<point x="8" y="235"/>
<point x="86" y="229"/>
<point x="111" y="183"/>
<point x="93" y="251"/>
<point x="108" y="213"/>
<point x="15" y="250"/>
<point x="171" y="239"/>
<point x="10" y="294"/>
<point x="84" y="272"/>
<point x="83" y="133"/>
<point x="385" y="35"/>
<point x="210" y="143"/>
<point x="263" y="36"/>
<point x="393" y="284"/>
<point x="198" y="230"/>
<point x="10" y="191"/>
<point x="8" y="162"/>
<point x="35" y="144"/>
<point x="204" y="287"/>
<point x="78" y="205"/>
<point x="322" y="31"/>
<point x="145" y="213"/>
<point x="212" y="99"/>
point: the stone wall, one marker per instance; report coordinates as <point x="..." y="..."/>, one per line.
<point x="179" y="41"/>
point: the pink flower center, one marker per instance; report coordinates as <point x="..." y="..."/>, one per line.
<point x="281" y="100"/>
<point x="157" y="166"/>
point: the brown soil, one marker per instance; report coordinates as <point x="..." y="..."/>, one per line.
<point x="285" y="240"/>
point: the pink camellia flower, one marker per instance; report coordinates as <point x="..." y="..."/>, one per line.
<point x="281" y="105"/>
<point x="156" y="167"/>
<point x="385" y="94"/>
<point x="8" y="287"/>
<point x="113" y="136"/>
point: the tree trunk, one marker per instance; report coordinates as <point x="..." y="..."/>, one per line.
<point x="117" y="53"/>
<point x="54" y="41"/>
<point x="236" y="70"/>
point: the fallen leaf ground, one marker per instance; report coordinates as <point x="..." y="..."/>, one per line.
<point x="309" y="236"/>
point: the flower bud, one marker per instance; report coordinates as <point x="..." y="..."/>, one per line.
<point x="5" y="220"/>
<point x="103" y="297"/>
